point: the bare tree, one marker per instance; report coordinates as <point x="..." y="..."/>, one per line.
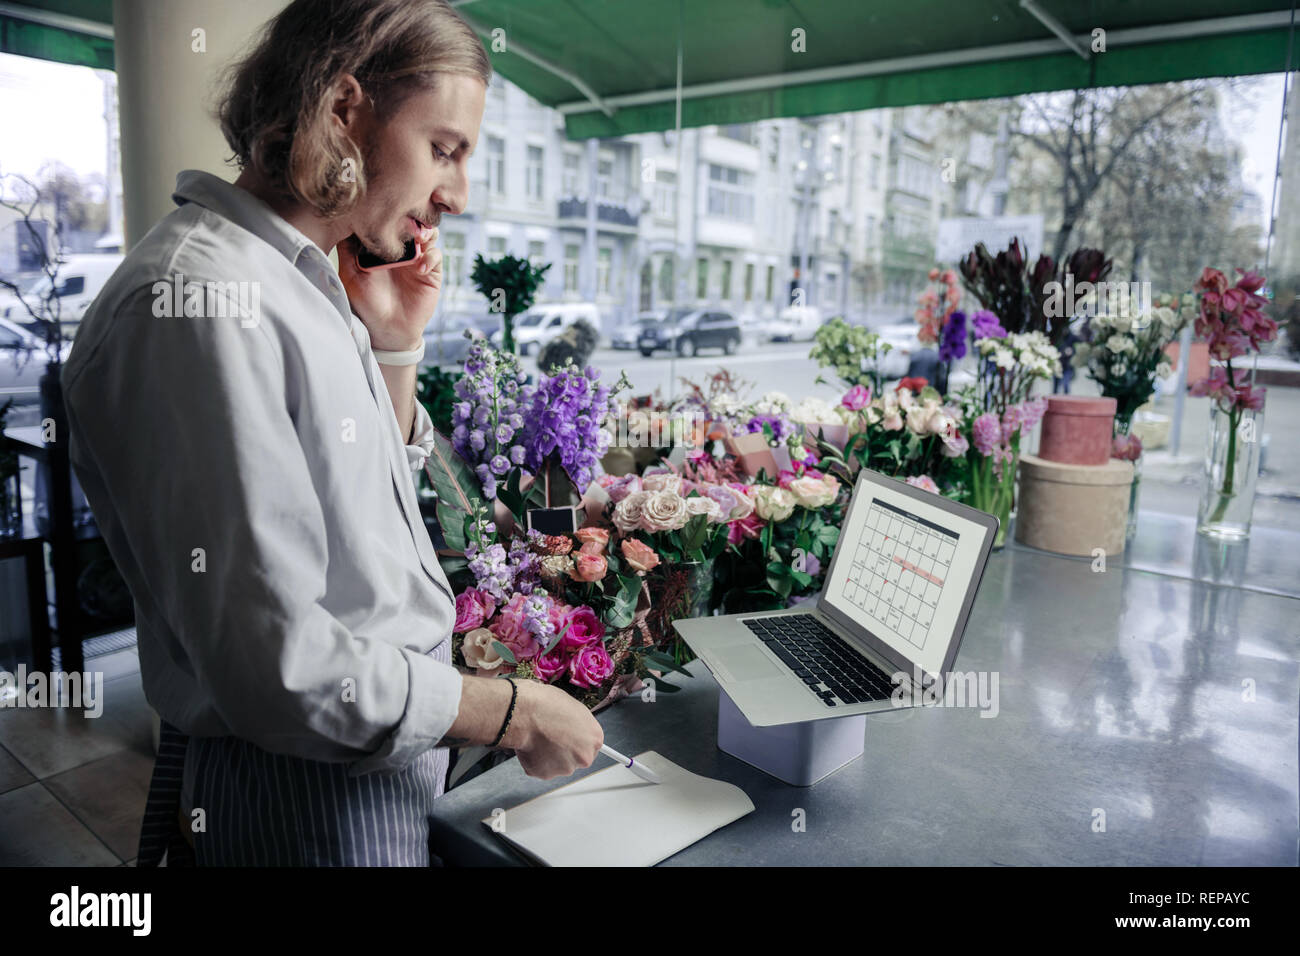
<point x="45" y="309"/>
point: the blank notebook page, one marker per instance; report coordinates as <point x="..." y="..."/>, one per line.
<point x="614" y="818"/>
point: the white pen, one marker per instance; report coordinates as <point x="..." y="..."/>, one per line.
<point x="645" y="773"/>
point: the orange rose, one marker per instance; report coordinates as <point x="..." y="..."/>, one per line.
<point x="593" y="540"/>
<point x="640" y="557"/>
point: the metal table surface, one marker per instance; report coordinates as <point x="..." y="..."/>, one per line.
<point x="1144" y="717"/>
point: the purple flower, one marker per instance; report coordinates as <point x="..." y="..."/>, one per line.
<point x="987" y="325"/>
<point x="952" y="342"/>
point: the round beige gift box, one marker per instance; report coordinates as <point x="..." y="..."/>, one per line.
<point x="1073" y="509"/>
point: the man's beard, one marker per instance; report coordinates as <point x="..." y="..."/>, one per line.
<point x="377" y="245"/>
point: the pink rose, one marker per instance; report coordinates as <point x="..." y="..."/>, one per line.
<point x="584" y="628"/>
<point x="640" y="556"/>
<point x="473" y="607"/>
<point x="547" y="667"/>
<point x="856" y="398"/>
<point x="590" y="666"/>
<point x="588" y="567"/>
<point x="593" y="540"/>
<point x="510" y="628"/>
<point x="1126" y="448"/>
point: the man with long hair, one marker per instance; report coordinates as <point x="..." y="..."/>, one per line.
<point x="245" y="427"/>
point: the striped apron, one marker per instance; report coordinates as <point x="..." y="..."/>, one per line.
<point x="265" y="809"/>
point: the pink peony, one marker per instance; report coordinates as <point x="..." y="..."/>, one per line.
<point x="473" y="607"/>
<point x="584" y="628"/>
<point x="856" y="398"/>
<point x="510" y="628"/>
<point x="590" y="667"/>
<point x="923" y="481"/>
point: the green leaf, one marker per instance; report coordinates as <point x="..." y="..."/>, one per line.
<point x="557" y="638"/>
<point x="662" y="662"/>
<point x="506" y="653"/>
<point x="457" y="487"/>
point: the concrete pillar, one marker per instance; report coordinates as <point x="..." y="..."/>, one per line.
<point x="165" y="93"/>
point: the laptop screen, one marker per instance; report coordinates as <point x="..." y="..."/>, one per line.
<point x="902" y="570"/>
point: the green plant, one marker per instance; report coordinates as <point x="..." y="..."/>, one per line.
<point x="852" y="352"/>
<point x="510" y="285"/>
<point x="436" y="390"/>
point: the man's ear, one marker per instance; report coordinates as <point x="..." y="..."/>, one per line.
<point x="348" y="104"/>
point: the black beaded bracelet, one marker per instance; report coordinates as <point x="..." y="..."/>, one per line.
<point x="514" y="696"/>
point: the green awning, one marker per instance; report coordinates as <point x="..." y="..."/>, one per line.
<point x="594" y="58"/>
<point x="79" y="32"/>
<point x="610" y="66"/>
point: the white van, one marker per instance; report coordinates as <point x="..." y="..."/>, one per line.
<point x="80" y="279"/>
<point x="534" y="328"/>
<point x="796" y="323"/>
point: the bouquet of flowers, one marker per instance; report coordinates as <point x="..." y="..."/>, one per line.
<point x="1232" y="320"/>
<point x="1126" y="355"/>
<point x="902" y="433"/>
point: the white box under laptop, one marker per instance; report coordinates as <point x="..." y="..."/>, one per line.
<point x="898" y="592"/>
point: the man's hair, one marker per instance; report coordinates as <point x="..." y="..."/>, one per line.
<point x="275" y="103"/>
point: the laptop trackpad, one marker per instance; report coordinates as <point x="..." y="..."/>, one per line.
<point x="744" y="662"/>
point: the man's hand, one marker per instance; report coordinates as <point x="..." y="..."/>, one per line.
<point x="395" y="305"/>
<point x="552" y="734"/>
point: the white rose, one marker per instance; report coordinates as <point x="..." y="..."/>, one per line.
<point x="478" y="650"/>
<point x="774" y="504"/>
<point x="1118" y="344"/>
<point x="627" y="513"/>
<point x="1003" y="358"/>
<point x="663" y="511"/>
<point x="705" y="506"/>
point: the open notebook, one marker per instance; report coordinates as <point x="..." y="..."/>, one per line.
<point x="614" y="818"/>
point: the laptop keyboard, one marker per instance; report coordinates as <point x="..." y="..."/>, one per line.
<point x="831" y="668"/>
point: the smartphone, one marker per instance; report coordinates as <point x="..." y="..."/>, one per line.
<point x="367" y="262"/>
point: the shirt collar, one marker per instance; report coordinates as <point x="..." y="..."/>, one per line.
<point x="248" y="212"/>
<point x="243" y="209"/>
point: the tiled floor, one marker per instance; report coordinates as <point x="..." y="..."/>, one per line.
<point x="72" y="788"/>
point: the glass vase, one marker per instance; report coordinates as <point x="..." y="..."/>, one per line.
<point x="1124" y="426"/>
<point x="1231" y="470"/>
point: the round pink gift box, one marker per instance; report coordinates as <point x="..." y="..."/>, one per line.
<point x="1077" y="429"/>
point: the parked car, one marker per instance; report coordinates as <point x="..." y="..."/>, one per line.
<point x="688" y="331"/>
<point x="796" y="323"/>
<point x="80" y="279"/>
<point x="444" y="340"/>
<point x="628" y="333"/>
<point x="902" y="336"/>
<point x="23" y="358"/>
<point x="541" y="323"/>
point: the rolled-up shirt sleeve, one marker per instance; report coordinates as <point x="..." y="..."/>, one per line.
<point x="421" y="446"/>
<point x="191" y="444"/>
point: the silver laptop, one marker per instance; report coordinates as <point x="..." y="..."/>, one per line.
<point x="892" y="609"/>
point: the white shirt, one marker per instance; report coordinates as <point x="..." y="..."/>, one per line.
<point x="248" y="475"/>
